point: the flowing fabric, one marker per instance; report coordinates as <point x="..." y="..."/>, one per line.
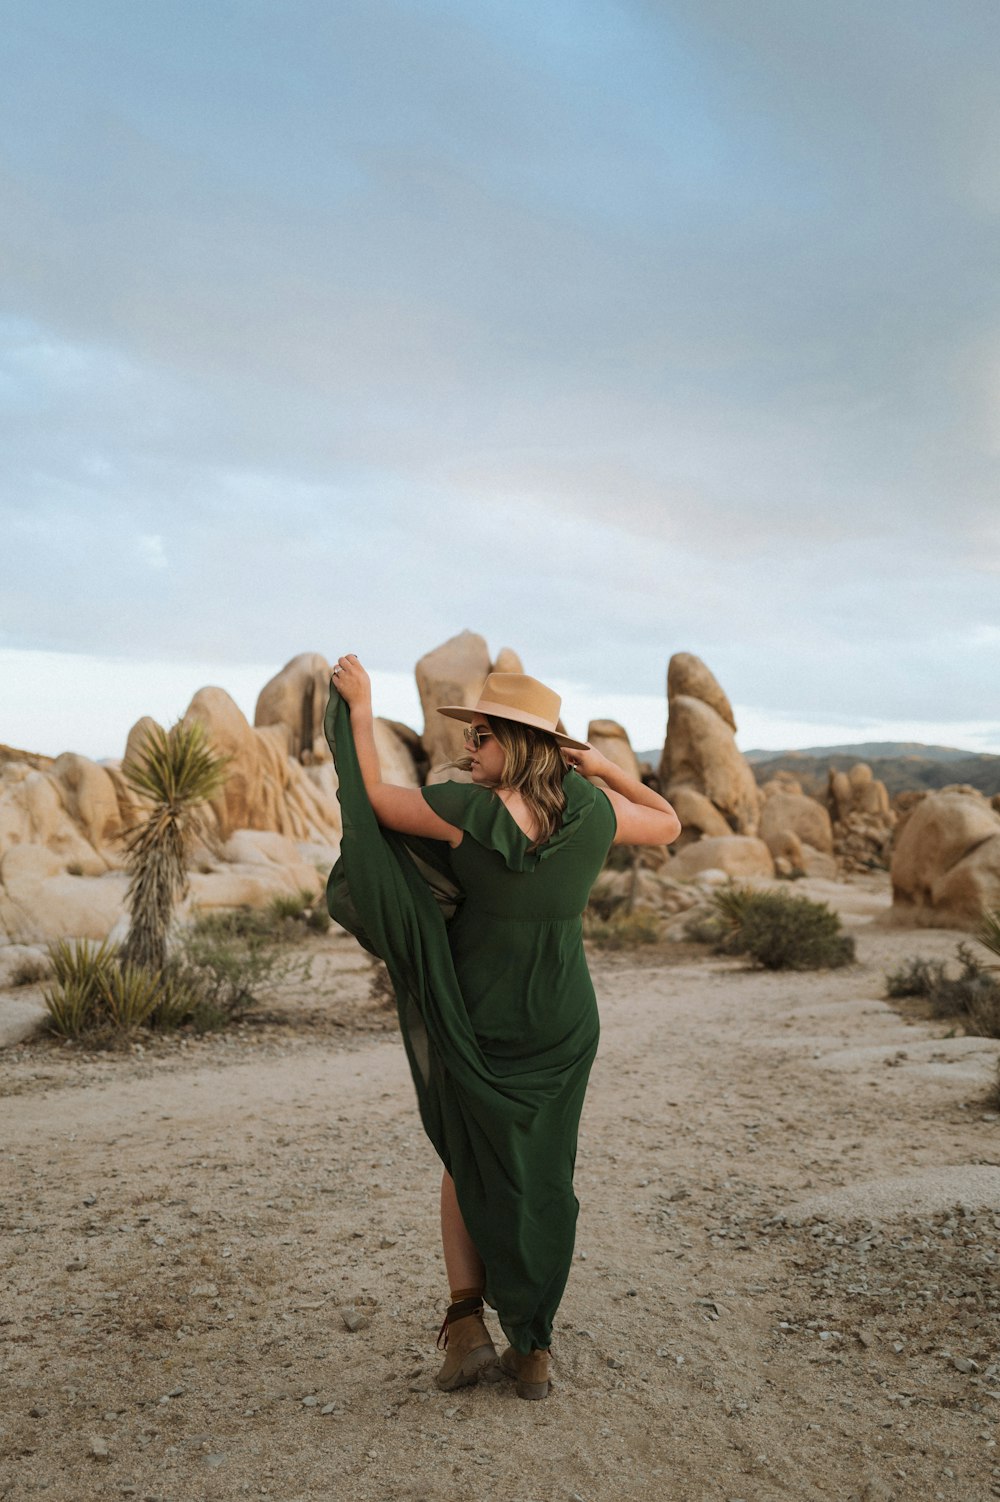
<point x="497" y="1012"/>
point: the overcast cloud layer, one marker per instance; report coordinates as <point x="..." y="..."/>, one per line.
<point x="608" y="330"/>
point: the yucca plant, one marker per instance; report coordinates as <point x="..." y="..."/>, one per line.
<point x="81" y="971"/>
<point x="988" y="932"/>
<point x="129" y="995"/>
<point x="71" y="1008"/>
<point x="178" y="772"/>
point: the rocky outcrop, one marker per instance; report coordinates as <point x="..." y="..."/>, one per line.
<point x="611" y="739"/>
<point x="796" y="829"/>
<point x="296" y="699"/>
<point x="946" y="862"/>
<point x="264" y="788"/>
<point x="700" y="754"/>
<point x="863" y="819"/>
<point x="453" y="673"/>
<point x="736" y="855"/>
<point x="61" y="849"/>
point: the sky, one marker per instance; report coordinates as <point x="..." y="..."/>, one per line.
<point x="608" y="330"/>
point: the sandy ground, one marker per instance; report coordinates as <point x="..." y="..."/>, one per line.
<point x="787" y="1282"/>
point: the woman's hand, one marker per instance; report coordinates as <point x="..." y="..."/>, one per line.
<point x="590" y="763"/>
<point x="352" y="682"/>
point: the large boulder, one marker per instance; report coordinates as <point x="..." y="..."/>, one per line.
<point x="698" y="815"/>
<point x="296" y="699"/>
<point x="264" y="788"/>
<point x="397" y="748"/>
<point x="701" y="753"/>
<point x="453" y="673"/>
<point x="689" y="678"/>
<point x="787" y="810"/>
<point x="736" y="855"/>
<point x="946" y="862"/>
<point x="611" y="739"/>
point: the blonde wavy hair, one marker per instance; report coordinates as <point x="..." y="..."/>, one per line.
<point x="534" y="767"/>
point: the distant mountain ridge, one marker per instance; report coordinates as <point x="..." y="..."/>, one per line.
<point x="903" y="766"/>
<point x="865" y="750"/>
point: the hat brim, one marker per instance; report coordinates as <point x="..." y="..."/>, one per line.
<point x="461" y="712"/>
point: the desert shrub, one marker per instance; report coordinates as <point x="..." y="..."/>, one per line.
<point x="988" y="932"/>
<point x="94" y="995"/>
<point x="224" y="965"/>
<point x="622" y="930"/>
<point x="291" y="904"/>
<point x="915" y="977"/>
<point x="777" y="930"/>
<point x="128" y="995"/>
<point x="318" y="919"/>
<point x="71" y="1008"/>
<point x="972" y="996"/>
<point x="29" y="972"/>
<point x="705" y="926"/>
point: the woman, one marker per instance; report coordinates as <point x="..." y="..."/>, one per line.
<point x="496" y="1007"/>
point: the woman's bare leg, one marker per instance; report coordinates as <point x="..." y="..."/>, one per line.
<point x="462" y="1262"/>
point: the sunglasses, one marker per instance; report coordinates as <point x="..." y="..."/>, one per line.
<point x="474" y="737"/>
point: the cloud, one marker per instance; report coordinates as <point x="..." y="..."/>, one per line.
<point x="610" y="330"/>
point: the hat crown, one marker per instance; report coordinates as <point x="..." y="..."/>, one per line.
<point x="524" y="695"/>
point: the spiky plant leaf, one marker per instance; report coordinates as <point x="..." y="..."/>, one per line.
<point x="129" y="995"/>
<point x="177" y="767"/>
<point x="988" y="932"/>
<point x="72" y="1007"/>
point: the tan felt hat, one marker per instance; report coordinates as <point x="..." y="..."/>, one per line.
<point x="515" y="696"/>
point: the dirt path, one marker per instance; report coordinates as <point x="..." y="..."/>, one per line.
<point x="774" y="1295"/>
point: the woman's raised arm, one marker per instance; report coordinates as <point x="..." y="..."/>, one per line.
<point x="644" y="818"/>
<point x="401" y="809"/>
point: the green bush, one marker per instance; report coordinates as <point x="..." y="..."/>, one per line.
<point x="972" y="996"/>
<point x="94" y="995"/>
<point x="291" y="904"/>
<point x="775" y="929"/>
<point x="914" y="978"/>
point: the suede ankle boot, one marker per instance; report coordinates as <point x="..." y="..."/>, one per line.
<point x="531" y="1373"/>
<point x="471" y="1355"/>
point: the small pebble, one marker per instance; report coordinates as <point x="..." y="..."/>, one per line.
<point x="353" y="1320"/>
<point x="98" y="1447"/>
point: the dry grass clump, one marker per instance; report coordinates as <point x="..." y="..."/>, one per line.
<point x="30" y="972"/>
<point x="972" y="997"/>
<point x="224" y="965"/>
<point x="774" y="929"/>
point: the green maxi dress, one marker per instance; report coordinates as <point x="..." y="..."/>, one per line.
<point x="496" y="1007"/>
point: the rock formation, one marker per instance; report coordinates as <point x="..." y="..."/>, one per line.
<point x="454" y="673"/>
<point x="611" y="739"/>
<point x="737" y="855"/>
<point x="796" y="829"/>
<point x="296" y="700"/>
<point x="946" y="861"/>
<point x="863" y="819"/>
<point x="700" y="755"/>
<point x="61" y="855"/>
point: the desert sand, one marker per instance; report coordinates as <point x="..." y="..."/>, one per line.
<point x="787" y="1280"/>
